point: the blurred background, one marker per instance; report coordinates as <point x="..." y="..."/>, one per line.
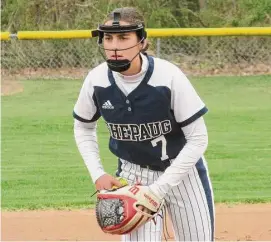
<point x="41" y="79"/>
<point x="195" y="55"/>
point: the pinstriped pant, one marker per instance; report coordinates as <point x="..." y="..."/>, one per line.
<point x="190" y="205"/>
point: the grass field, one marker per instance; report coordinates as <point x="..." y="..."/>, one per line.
<point x="41" y="167"/>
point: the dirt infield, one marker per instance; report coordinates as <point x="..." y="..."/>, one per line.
<point x="10" y="87"/>
<point x="233" y="222"/>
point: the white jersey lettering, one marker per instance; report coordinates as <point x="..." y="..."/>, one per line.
<point x="139" y="132"/>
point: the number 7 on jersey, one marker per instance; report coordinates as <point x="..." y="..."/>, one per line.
<point x="164" y="146"/>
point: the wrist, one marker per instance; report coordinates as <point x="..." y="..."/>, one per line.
<point x="155" y="189"/>
<point x="97" y="175"/>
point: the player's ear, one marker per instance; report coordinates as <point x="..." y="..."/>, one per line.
<point x="145" y="45"/>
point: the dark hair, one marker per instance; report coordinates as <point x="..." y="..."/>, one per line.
<point x="130" y="15"/>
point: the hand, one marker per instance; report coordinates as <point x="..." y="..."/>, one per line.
<point x="143" y="209"/>
<point x="106" y="182"/>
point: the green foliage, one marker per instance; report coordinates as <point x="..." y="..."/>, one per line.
<point x="85" y="14"/>
<point x="237" y="13"/>
<point x="259" y="12"/>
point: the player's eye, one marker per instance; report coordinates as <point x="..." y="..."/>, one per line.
<point x="107" y="37"/>
<point x="123" y="37"/>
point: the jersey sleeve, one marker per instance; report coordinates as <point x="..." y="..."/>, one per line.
<point x="185" y="102"/>
<point x="86" y="109"/>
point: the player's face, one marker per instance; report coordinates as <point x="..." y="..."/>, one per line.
<point x="122" y="41"/>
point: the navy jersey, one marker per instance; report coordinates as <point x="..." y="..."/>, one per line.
<point x="145" y="126"/>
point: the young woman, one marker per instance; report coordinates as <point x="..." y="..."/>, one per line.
<point x="156" y="125"/>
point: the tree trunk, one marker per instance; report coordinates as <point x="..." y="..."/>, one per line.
<point x="202" y="4"/>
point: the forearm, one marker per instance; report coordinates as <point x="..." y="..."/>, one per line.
<point x="197" y="141"/>
<point x="86" y="140"/>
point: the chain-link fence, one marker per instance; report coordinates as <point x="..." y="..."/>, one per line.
<point x="194" y="55"/>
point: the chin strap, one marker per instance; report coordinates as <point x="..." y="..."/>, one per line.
<point x="119" y="65"/>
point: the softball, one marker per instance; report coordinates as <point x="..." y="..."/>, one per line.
<point x="123" y="182"/>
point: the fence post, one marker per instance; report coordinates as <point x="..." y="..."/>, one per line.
<point x="158" y="47"/>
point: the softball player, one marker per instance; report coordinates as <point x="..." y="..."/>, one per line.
<point x="155" y="120"/>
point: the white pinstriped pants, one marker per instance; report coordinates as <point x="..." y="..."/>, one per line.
<point x="190" y="205"/>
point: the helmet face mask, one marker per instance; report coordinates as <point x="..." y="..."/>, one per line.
<point x="117" y="64"/>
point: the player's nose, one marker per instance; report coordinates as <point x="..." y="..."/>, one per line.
<point x="115" y="44"/>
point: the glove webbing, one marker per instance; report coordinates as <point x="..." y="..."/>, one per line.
<point x="112" y="212"/>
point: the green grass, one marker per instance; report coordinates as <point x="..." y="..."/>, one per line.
<point x="41" y="167"/>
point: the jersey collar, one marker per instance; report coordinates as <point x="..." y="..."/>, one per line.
<point x="146" y="77"/>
